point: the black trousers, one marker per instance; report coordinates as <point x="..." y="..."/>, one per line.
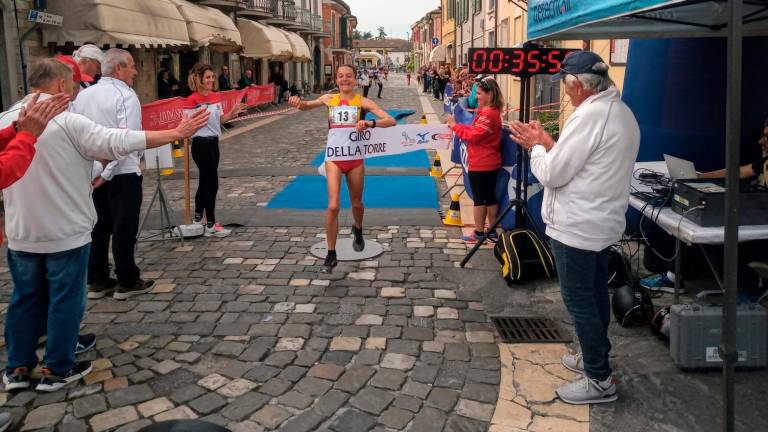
<point x="366" y="89"/>
<point x="205" y="153"/>
<point x="118" y="204"/>
<point x="381" y="87"/>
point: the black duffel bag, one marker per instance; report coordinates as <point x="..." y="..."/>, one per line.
<point x="523" y="256"/>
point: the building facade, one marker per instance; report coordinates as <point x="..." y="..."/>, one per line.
<point x="449" y="30"/>
<point x="426" y="35"/>
<point x="391" y="53"/>
<point x="339" y="24"/>
<point x="173" y="35"/>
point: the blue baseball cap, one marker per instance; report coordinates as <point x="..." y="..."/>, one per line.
<point x="578" y="62"/>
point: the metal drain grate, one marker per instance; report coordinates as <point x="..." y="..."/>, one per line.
<point x="530" y="329"/>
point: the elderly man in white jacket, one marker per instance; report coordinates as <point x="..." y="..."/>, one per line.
<point x="49" y="218"/>
<point x="586" y="176"/>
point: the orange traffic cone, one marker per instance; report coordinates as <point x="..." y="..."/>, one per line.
<point x="178" y="150"/>
<point x="423" y="119"/>
<point x="453" y="218"/>
<point x="437" y="167"/>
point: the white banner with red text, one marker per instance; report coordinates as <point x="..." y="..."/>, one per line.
<point x="345" y="144"/>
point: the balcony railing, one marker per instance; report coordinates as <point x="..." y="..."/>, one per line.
<point x="267" y="6"/>
<point x="317" y="23"/>
<point x="286" y="10"/>
<point x="304" y="17"/>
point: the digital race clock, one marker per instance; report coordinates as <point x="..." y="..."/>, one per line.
<point x="522" y="62"/>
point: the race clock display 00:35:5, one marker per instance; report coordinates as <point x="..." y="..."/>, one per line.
<point x="516" y="61"/>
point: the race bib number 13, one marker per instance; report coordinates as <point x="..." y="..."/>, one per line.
<point x="344" y="115"/>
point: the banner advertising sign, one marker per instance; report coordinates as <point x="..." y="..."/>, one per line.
<point x="347" y="144"/>
<point x="166" y="113"/>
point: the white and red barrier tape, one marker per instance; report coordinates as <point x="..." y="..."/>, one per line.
<point x="261" y="115"/>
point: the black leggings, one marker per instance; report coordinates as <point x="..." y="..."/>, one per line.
<point x="205" y="153"/>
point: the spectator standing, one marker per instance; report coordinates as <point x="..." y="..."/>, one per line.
<point x="117" y="193"/>
<point x="205" y="145"/>
<point x="483" y="139"/>
<point x="364" y="82"/>
<point x="246" y="80"/>
<point x="586" y="176"/>
<point x="224" y="82"/>
<point x="47" y="255"/>
<point x="379" y="83"/>
<point x="89" y="58"/>
<point x="167" y="85"/>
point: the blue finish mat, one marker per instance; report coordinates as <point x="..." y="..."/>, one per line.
<point x="310" y="193"/>
<point x="414" y="159"/>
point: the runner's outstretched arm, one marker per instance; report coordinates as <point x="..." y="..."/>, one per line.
<point x="384" y="119"/>
<point x="296" y="102"/>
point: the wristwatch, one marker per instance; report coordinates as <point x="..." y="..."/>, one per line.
<point x="374" y="124"/>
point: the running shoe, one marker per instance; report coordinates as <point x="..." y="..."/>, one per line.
<point x="98" y="290"/>
<point x="492" y="235"/>
<point x="573" y="362"/>
<point x="50" y="382"/>
<point x="329" y="263"/>
<point x="139" y="287"/>
<point x="85" y="342"/>
<point x="198" y="219"/>
<point x="16" y="379"/>
<point x="585" y="390"/>
<point x="473" y="237"/>
<point x="359" y="243"/>
<point x="659" y="282"/>
<point x="216" y="230"/>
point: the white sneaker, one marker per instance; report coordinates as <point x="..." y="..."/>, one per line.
<point x="585" y="390"/>
<point x="217" y="231"/>
<point x="574" y="362"/>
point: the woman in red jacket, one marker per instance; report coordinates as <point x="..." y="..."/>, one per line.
<point x="483" y="139"/>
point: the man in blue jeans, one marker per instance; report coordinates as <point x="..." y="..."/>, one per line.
<point x="586" y="176"/>
<point x="49" y="217"/>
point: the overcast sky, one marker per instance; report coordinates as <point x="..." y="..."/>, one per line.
<point x="395" y="15"/>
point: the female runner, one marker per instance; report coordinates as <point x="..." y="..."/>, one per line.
<point x="346" y="109"/>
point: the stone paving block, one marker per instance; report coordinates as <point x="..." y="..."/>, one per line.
<point x="275" y="387"/>
<point x="295" y="330"/>
<point x="295" y="399"/>
<point x="44" y="416"/>
<point x="341" y="343"/>
<point x="480" y="392"/>
<point x="207" y="403"/>
<point x="135" y="426"/>
<point x="330" y="402"/>
<point x="261" y="373"/>
<point x="289" y="344"/>
<point x="463" y="424"/>
<point x="398" y="361"/>
<point x="244" y="406"/>
<point x="280" y="359"/>
<point x="372" y="400"/>
<point x="376" y="343"/>
<point x="306" y="308"/>
<point x="353" y="421"/>
<point x="443" y="399"/>
<point x="429" y="420"/>
<point x="130" y="395"/>
<point x="229" y="349"/>
<point x="97" y="376"/>
<point x="165" y="367"/>
<point x="369" y="319"/>
<point x="89" y="405"/>
<point x="393" y="292"/>
<point x="388" y="379"/>
<point x="423" y="311"/>
<point x="154" y="406"/>
<point x="425" y="374"/>
<point x="188" y="357"/>
<point x="187" y="393"/>
<point x="264" y="330"/>
<point x="368" y="357"/>
<point x="419" y="334"/>
<point x="459" y="352"/>
<point x="113" y="418"/>
<point x="213" y="382"/>
<point x="355" y="378"/>
<point x="409" y="403"/>
<point x="179" y="413"/>
<point x="236" y="387"/>
<point x="475" y="410"/>
<point x="245" y="426"/>
<point x="326" y="371"/>
<point x="271" y="416"/>
<point x="72" y="424"/>
<point x="395" y="418"/>
<point x="304" y="422"/>
<point x="312" y="386"/>
<point x="480" y="337"/>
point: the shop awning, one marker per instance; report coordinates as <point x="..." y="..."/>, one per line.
<point x="117" y="22"/>
<point x="263" y="41"/>
<point x="209" y="26"/>
<point x="634" y="19"/>
<point x="437" y="54"/>
<point x="299" y="48"/>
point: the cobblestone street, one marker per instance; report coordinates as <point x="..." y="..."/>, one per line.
<point x="245" y="332"/>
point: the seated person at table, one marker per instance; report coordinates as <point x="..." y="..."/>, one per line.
<point x="750" y="284"/>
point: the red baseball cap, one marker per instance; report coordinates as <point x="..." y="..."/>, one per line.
<point x="77" y="75"/>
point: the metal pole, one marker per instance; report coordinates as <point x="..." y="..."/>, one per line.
<point x="731" y="240"/>
<point x="187" y="193"/>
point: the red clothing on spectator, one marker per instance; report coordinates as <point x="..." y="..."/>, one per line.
<point x="16" y="153"/>
<point x="483" y="140"/>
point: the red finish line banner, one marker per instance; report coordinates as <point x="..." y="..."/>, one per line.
<point x="167" y="113"/>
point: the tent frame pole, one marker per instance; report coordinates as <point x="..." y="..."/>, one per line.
<point x="731" y="241"/>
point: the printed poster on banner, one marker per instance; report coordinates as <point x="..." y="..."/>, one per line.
<point x="347" y="144"/>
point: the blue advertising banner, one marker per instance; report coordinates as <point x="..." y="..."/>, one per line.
<point x="548" y="17"/>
